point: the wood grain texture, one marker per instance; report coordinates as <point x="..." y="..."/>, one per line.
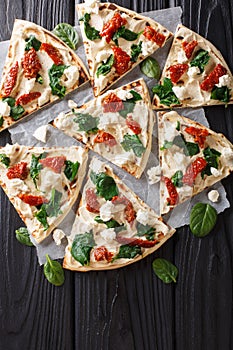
<point x="126" y="309"/>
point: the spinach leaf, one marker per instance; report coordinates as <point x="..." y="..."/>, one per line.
<point x="105" y="67"/>
<point x="50" y="209"/>
<point x="129" y="104"/>
<point x="126" y="34"/>
<point x="201" y="59"/>
<point x="190" y="148"/>
<point x="165" y="270"/>
<point x="1" y="121"/>
<point x="55" y="73"/>
<point x="9" y="100"/>
<point x="221" y="93"/>
<point x="71" y="169"/>
<point x="23" y="236"/>
<point x="105" y="185"/>
<point x="133" y="142"/>
<point x="146" y="230"/>
<point x="35" y="167"/>
<point x="150" y="68"/>
<point x="128" y="252"/>
<point x="165" y="93"/>
<point x="166" y="145"/>
<point x="86" y="122"/>
<point x="203" y="218"/>
<point x="54" y="272"/>
<point x="177" y="178"/>
<point x="32" y="42"/>
<point x="41" y="216"/>
<point x="68" y="34"/>
<point x="135" y="51"/>
<point x="178" y="125"/>
<point x="16" y="112"/>
<point x="5" y="160"/>
<point x="39" y="79"/>
<point x="211" y="156"/>
<point x="111" y="224"/>
<point x="91" y="32"/>
<point x="82" y="246"/>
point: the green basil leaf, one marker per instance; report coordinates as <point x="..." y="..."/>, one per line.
<point x="203" y="218"/>
<point x="177" y="178"/>
<point x="55" y="73"/>
<point x="165" y="93"/>
<point x="86" y="122"/>
<point x="16" y="112"/>
<point x="126" y="34"/>
<point x="9" y="100"/>
<point x="166" y="145"/>
<point x="133" y="142"/>
<point x="150" y="68"/>
<point x="128" y="252"/>
<point x="178" y="125"/>
<point x="189" y="148"/>
<point x="82" y="246"/>
<point x="201" y="59"/>
<point x="105" y="185"/>
<point x="211" y="156"/>
<point x="165" y="270"/>
<point x="68" y="34"/>
<point x="54" y="272"/>
<point x="41" y="216"/>
<point x="71" y="169"/>
<point x="32" y="42"/>
<point x="5" y="160"/>
<point x="91" y="32"/>
<point x="35" y="167"/>
<point x="39" y="79"/>
<point x="146" y="230"/>
<point x="105" y="67"/>
<point x="129" y="104"/>
<point x="23" y="236"/>
<point x="1" y="121"/>
<point x="221" y="93"/>
<point x="53" y="206"/>
<point x="135" y="51"/>
<point x="111" y="224"/>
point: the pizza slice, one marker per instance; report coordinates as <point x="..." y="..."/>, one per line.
<point x="195" y="74"/>
<point x="113" y="227"/>
<point x="42" y="183"/>
<point x="39" y="69"/>
<point x="116" y="40"/>
<point x="192" y="158"/>
<point x="117" y="125"/>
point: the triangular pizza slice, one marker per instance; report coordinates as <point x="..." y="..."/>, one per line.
<point x="39" y="69"/>
<point x="192" y="158"/>
<point x="117" y="125"/>
<point x="113" y="227"/>
<point x="42" y="183"/>
<point x="116" y="40"/>
<point x="195" y="74"/>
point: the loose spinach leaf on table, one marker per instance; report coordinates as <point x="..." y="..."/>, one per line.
<point x="55" y="73"/>
<point x="165" y="93"/>
<point x="135" y="51"/>
<point x="91" y="32"/>
<point x="86" y="122"/>
<point x="71" y="169"/>
<point x="54" y="272"/>
<point x="23" y="236"/>
<point x="150" y="68"/>
<point x="32" y="42"/>
<point x="221" y="93"/>
<point x="68" y="34"/>
<point x="203" y="218"/>
<point x="105" y="185"/>
<point x="146" y="230"/>
<point x="5" y="160"/>
<point x="200" y="60"/>
<point x="128" y="252"/>
<point x="105" y="67"/>
<point x="211" y="156"/>
<point x="133" y="142"/>
<point x="82" y="246"/>
<point x="165" y="270"/>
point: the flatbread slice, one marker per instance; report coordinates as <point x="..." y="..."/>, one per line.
<point x="116" y="40"/>
<point x="117" y="125"/>
<point x="39" y="69"/>
<point x="113" y="227"/>
<point x="42" y="183"/>
<point x="195" y="74"/>
<point x="192" y="158"/>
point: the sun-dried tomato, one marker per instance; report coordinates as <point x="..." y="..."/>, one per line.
<point x="106" y="138"/>
<point x="153" y="35"/>
<point x="101" y="253"/>
<point x="92" y="203"/>
<point x="112" y="103"/>
<point x="32" y="200"/>
<point x="31" y="64"/>
<point x="54" y="163"/>
<point x="10" y="80"/>
<point x="18" y="171"/>
<point x="189" y="47"/>
<point x="112" y="26"/>
<point x="53" y="53"/>
<point x="199" y="134"/>
<point x="193" y="170"/>
<point x="121" y="60"/>
<point x="177" y="71"/>
<point x="172" y="192"/>
<point x="136" y="241"/>
<point x="133" y="125"/>
<point x="130" y="213"/>
<point x="27" y="98"/>
<point x="213" y="78"/>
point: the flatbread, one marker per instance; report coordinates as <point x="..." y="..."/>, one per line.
<point x="182" y="144"/>
<point x="188" y="76"/>
<point x="113" y="227"/>
<point x="25" y="80"/>
<point x="99" y="50"/>
<point x="122" y="138"/>
<point x="53" y="175"/>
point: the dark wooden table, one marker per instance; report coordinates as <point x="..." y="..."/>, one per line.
<point x="129" y="308"/>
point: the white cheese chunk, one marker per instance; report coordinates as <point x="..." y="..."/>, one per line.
<point x="72" y="104"/>
<point x="49" y="180"/>
<point x="109" y="118"/>
<point x="181" y="57"/>
<point x="124" y="94"/>
<point x="213" y="196"/>
<point x="193" y="71"/>
<point x="108" y="235"/>
<point x="41" y="133"/>
<point x="17" y="186"/>
<point x="97" y="166"/>
<point x="58" y="235"/>
<point x="227" y="154"/>
<point x="4" y="109"/>
<point x="45" y="96"/>
<point x="103" y="55"/>
<point x="125" y="157"/>
<point x="142" y="217"/>
<point x="29" y="84"/>
<point x="72" y="75"/>
<point x="224" y="80"/>
<point x="154" y="174"/>
<point x="91" y="6"/>
<point x="215" y="172"/>
<point x="180" y="92"/>
<point x="147" y="48"/>
<point x="62" y="121"/>
<point x="169" y="131"/>
<point x="108" y="209"/>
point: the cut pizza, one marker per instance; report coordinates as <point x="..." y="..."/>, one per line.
<point x="192" y="158"/>
<point x="117" y="125"/>
<point x="113" y="227"/>
<point x="195" y="74"/>
<point x="116" y="40"/>
<point x="39" y="69"/>
<point x="42" y="183"/>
